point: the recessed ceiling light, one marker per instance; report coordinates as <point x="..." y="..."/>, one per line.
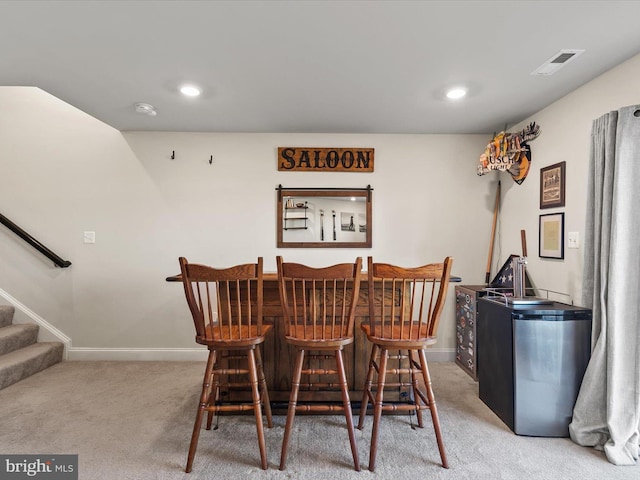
<point x="190" y="90"/>
<point x="456" y="93"/>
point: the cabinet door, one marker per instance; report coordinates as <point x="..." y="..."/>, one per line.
<point x="466" y="316"/>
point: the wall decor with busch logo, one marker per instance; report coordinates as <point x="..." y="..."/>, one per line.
<point x="510" y="152"/>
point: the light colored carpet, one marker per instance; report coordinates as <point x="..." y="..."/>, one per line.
<point x="133" y="420"/>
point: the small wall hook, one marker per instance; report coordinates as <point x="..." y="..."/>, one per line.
<point x="173" y="155"/>
<point x="211" y="160"/>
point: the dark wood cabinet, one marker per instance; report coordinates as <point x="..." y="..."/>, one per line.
<point x="466" y="317"/>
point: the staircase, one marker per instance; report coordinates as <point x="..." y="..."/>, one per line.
<point x="21" y="355"/>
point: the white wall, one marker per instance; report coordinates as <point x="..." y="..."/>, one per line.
<point x="63" y="172"/>
<point x="566" y="130"/>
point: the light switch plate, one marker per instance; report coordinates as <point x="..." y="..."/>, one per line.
<point x="89" y="237"/>
<point x="573" y="240"/>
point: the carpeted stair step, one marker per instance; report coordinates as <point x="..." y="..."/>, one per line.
<point x="15" y="337"/>
<point x="22" y="363"/>
<point x="6" y="315"/>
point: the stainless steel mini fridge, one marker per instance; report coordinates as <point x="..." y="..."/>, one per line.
<point x="531" y="360"/>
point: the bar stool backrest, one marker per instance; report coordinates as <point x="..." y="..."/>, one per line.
<point x="226" y="304"/>
<point x="319" y="303"/>
<point x="406" y="303"/>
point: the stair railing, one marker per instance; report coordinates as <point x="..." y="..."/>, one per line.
<point x="57" y="260"/>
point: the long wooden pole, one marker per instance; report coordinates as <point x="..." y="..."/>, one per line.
<point x="496" y="208"/>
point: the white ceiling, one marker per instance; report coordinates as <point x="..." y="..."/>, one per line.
<point x="311" y="66"/>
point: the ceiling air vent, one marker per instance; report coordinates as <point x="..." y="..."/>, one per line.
<point x="556" y="62"/>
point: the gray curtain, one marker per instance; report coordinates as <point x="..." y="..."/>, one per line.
<point x="607" y="412"/>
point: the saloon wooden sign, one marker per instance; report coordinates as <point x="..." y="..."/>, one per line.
<point x="310" y="159"/>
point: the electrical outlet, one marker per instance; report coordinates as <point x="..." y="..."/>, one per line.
<point x="573" y="240"/>
<point x="89" y="237"/>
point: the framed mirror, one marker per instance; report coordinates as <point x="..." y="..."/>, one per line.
<point x="324" y="217"/>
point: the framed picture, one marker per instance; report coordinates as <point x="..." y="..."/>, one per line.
<point x="552" y="181"/>
<point x="347" y="224"/>
<point x="551" y="236"/>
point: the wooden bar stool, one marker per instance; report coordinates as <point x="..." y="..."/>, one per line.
<point x="319" y="310"/>
<point x="405" y="319"/>
<point x="226" y="306"/>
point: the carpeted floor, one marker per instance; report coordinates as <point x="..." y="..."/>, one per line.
<point x="133" y="420"/>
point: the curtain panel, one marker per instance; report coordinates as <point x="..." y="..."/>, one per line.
<point x="607" y="412"/>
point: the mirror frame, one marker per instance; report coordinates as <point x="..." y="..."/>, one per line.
<point x="365" y="193"/>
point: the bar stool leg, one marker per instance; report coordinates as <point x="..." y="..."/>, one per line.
<point x="293" y="401"/>
<point x="367" y="387"/>
<point x="347" y="408"/>
<point x="214" y="393"/>
<point x="377" y="409"/>
<point x="201" y="407"/>
<point x="263" y="388"/>
<point x="413" y="365"/>
<point x="432" y="407"/>
<point x="257" y="409"/>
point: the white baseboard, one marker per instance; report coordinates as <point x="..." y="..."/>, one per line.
<point x="441" y="354"/>
<point x="190" y="354"/>
<point x="138" y="354"/>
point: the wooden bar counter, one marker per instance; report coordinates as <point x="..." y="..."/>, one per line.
<point x="278" y="357"/>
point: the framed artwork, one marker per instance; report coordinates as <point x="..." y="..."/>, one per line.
<point x="552" y="182"/>
<point x="347" y="224"/>
<point x="551" y="236"/>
